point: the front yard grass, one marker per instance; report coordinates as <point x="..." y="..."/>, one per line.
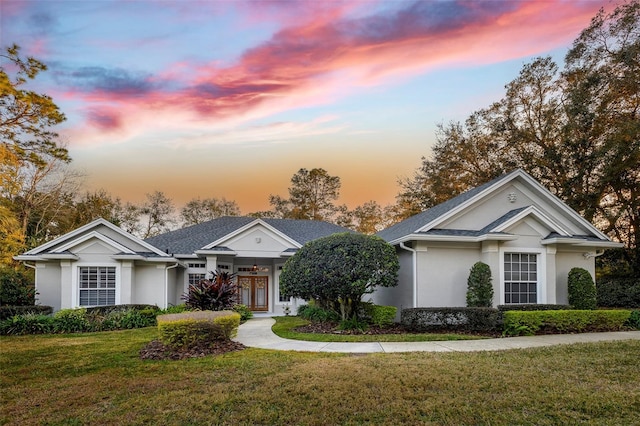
<point x="99" y="379"/>
<point x="284" y="327"/>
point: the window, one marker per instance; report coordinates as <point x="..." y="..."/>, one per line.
<point x="97" y="285"/>
<point x="196" y="278"/>
<point x="520" y="278"/>
<point x="197" y="265"/>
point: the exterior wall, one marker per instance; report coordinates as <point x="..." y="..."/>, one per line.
<point x="443" y="272"/>
<point x="400" y="296"/>
<point x="149" y="285"/>
<point x="48" y="284"/>
<point x="565" y="261"/>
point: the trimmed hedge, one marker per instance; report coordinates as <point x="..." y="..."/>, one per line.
<point x="619" y="292"/>
<point x="379" y="315"/>
<point x="534" y="307"/>
<point x="191" y="329"/>
<point x="565" y="321"/>
<point x="119" y="308"/>
<point x="581" y="289"/>
<point x="10" y="311"/>
<point x="463" y="319"/>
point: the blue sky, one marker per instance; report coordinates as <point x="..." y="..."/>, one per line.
<point x="231" y="98"/>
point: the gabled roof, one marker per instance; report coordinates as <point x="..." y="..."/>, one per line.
<point x="205" y="235"/>
<point x="426" y="224"/>
<point x="59" y="246"/>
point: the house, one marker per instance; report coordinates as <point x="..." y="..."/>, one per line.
<point x="529" y="238"/>
<point x="101" y="264"/>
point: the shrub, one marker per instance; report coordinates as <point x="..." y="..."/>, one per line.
<point x="216" y="294"/>
<point x="10" y="311"/>
<point x="191" y="329"/>
<point x="116" y="308"/>
<point x="634" y="320"/>
<point x="174" y="309"/>
<point x="313" y="312"/>
<point x="572" y="321"/>
<point x="29" y="323"/>
<point x="479" y="288"/>
<point x="462" y="319"/>
<point x="378" y="315"/>
<point x="582" y="290"/>
<point x="619" y="292"/>
<point x="533" y="307"/>
<point x="244" y="311"/>
<point x="353" y="323"/>
<point x="16" y="288"/>
<point x="72" y="321"/>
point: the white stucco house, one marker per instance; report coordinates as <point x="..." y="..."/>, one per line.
<point x="101" y="264"/>
<point x="528" y="237"/>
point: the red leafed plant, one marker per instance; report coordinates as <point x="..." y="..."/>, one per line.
<point x="215" y="294"/>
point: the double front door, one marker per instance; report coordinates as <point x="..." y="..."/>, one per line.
<point x="253" y="292"/>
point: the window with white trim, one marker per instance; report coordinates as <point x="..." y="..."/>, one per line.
<point x="196" y="278"/>
<point x="97" y="285"/>
<point x="520" y="278"/>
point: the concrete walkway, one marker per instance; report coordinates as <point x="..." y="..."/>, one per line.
<point x="257" y="333"/>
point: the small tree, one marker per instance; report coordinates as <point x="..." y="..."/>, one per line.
<point x="216" y="294"/>
<point x="479" y="288"/>
<point x="336" y="271"/>
<point x="16" y="288"/>
<point x="582" y="289"/>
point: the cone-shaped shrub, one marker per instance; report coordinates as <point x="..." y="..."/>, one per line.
<point x="582" y="290"/>
<point x="479" y="288"/>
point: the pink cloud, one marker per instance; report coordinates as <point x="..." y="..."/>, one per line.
<point x="327" y="54"/>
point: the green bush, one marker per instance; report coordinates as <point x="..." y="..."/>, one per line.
<point x="313" y="312"/>
<point x="479" y="288"/>
<point x="244" y="311"/>
<point x="634" y="320"/>
<point x="73" y="321"/>
<point x="460" y="319"/>
<point x="582" y="289"/>
<point x="191" y="329"/>
<point x="557" y="322"/>
<point x="16" y="288"/>
<point x="534" y="307"/>
<point x="29" y="323"/>
<point x="353" y="324"/>
<point x="378" y="315"/>
<point x="619" y="292"/>
<point x="10" y="311"/>
<point x="174" y="309"/>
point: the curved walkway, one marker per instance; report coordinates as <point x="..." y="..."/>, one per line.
<point x="257" y="333"/>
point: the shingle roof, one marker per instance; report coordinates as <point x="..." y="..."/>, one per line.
<point x="188" y="240"/>
<point x="411" y="225"/>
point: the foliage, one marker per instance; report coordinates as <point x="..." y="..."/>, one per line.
<point x="571" y="321"/>
<point x="339" y="269"/>
<point x="582" y="289"/>
<point x="28" y="323"/>
<point x="634" y="320"/>
<point x="311" y="196"/>
<point x="575" y="130"/>
<point x="72" y="321"/>
<point x="379" y="315"/>
<point x="198" y="211"/>
<point x="533" y="307"/>
<point x="8" y="311"/>
<point x="619" y="292"/>
<point x="353" y="323"/>
<point x="174" y="309"/>
<point x="215" y="294"/>
<point x="157" y="212"/>
<point x="189" y="329"/>
<point x="244" y="311"/>
<point x="16" y="288"/>
<point x="479" y="288"/>
<point x="459" y="319"/>
<point x="313" y="312"/>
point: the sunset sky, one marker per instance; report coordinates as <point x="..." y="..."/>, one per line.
<point x="230" y="98"/>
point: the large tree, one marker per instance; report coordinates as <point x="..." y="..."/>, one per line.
<point x="339" y="269"/>
<point x="311" y="196"/>
<point x="198" y="211"/>
<point x="156" y="214"/>
<point x="577" y="131"/>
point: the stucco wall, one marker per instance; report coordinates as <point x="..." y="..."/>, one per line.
<point x="402" y="295"/>
<point x="148" y="286"/>
<point x="565" y="261"/>
<point x="48" y="284"/>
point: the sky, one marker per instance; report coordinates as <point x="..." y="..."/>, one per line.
<point x="202" y="99"/>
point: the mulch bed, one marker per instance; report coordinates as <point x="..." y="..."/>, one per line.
<point x="156" y="350"/>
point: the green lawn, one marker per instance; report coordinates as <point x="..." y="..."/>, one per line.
<point x="284" y="327"/>
<point x="99" y="379"/>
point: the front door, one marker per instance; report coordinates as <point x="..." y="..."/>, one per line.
<point x="253" y="292"/>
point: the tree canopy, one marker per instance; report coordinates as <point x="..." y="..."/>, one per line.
<point x="337" y="270"/>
